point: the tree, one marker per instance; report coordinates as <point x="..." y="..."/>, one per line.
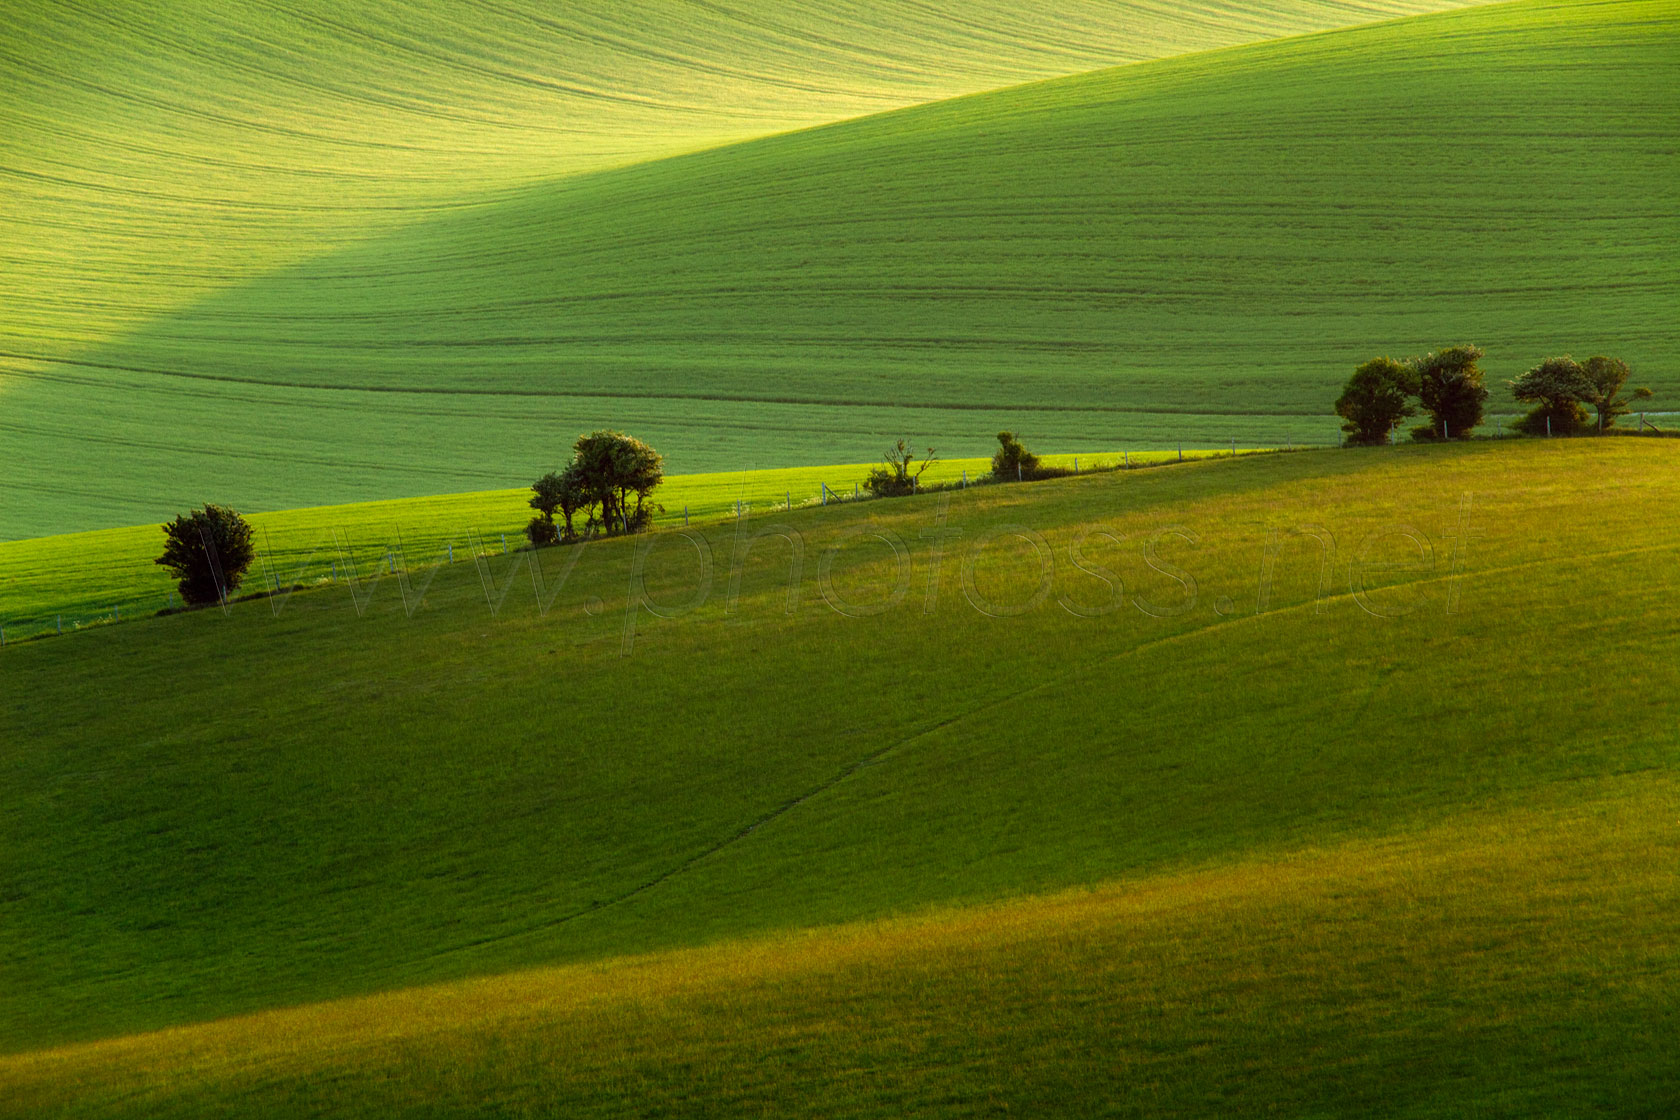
<point x="607" y="470"/>
<point x="563" y="491"/>
<point x="1608" y="375"/>
<point x="207" y="551"/>
<point x="1556" y="387"/>
<point x="895" y="478"/>
<point x="1375" y="399"/>
<point x="1012" y="461"/>
<point x="1450" y="387"/>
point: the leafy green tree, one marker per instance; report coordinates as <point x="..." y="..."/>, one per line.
<point x="207" y="551"/>
<point x="612" y="469"/>
<point x="1375" y="399"/>
<point x="1608" y="375"/>
<point x="896" y="477"/>
<point x="562" y="492"/>
<point x="1012" y="461"/>
<point x="1556" y="387"/>
<point x="1451" y="387"/>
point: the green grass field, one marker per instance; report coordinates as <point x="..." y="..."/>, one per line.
<point x="418" y="250"/>
<point x="64" y="583"/>
<point x="1320" y="784"/>
<point x="1355" y="795"/>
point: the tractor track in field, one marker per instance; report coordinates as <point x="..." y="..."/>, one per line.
<point x="611" y="394"/>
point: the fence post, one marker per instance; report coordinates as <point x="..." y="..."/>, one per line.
<point x="451" y="549"/>
<point x="790" y="499"/>
<point x="504" y="544"/>
<point x="1125" y="458"/>
<point x="116" y="613"/>
<point x="1017" y="471"/>
<point x="1181" y="451"/>
<point x="58" y="622"/>
<point x="1548" y="427"/>
<point x="1233" y="447"/>
<point x="965" y="478"/>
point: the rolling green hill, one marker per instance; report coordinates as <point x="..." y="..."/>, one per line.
<point x="415" y="252"/>
<point x="1420" y="831"/>
<point x="159" y="153"/>
<point x="63" y="583"/>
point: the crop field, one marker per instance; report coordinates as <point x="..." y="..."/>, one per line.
<point x="1250" y="761"/>
<point x="398" y="256"/>
<point x="1162" y="791"/>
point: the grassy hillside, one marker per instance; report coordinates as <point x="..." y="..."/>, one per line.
<point x="1177" y="995"/>
<point x="64" y="583"/>
<point x="1417" y="830"/>
<point x="156" y="156"/>
<point x="1195" y="247"/>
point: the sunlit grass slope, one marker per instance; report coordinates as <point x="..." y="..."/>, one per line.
<point x="156" y="152"/>
<point x="153" y="155"/>
<point x="1193" y="248"/>
<point x="299" y="801"/>
<point x="62" y="583"/>
<point x="1480" y="966"/>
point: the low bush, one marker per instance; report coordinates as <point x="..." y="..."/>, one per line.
<point x="896" y="478"/>
<point x="541" y="531"/>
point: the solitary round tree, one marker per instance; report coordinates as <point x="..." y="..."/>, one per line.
<point x="1451" y="387"/>
<point x="1375" y="399"/>
<point x="1556" y="387"/>
<point x="207" y="551"/>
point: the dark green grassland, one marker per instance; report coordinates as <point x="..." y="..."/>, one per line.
<point x="212" y="814"/>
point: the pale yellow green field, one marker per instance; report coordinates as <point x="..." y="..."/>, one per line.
<point x="416" y="251"/>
